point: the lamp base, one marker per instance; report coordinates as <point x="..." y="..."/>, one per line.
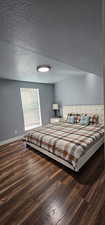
<point x="55" y="112"/>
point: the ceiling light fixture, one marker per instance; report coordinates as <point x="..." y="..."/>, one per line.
<point x="43" y="68"/>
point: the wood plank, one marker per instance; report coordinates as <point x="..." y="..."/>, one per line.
<point x="36" y="190"/>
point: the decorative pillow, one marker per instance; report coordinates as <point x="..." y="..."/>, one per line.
<point x="85" y="120"/>
<point x="94" y="119"/>
<point x="71" y="119"/>
<point x="69" y="114"/>
<point x="78" y="118"/>
<point x="76" y="115"/>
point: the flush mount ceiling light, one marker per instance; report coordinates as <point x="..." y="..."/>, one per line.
<point x="43" y="68"/>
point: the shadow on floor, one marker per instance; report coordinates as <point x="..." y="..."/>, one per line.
<point x="89" y="173"/>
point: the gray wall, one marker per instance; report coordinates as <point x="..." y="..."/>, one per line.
<point x="86" y="89"/>
<point x="11" y="115"/>
<point x="79" y="90"/>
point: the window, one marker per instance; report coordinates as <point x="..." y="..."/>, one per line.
<point x="31" y="107"/>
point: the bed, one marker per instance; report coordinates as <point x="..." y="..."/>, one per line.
<point x="70" y="144"/>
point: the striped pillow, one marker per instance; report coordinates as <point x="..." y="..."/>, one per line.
<point x="94" y="119"/>
<point x="78" y="118"/>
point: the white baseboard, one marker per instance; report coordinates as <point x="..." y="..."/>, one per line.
<point x="10" y="140"/>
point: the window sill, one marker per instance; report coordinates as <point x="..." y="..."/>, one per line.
<point x="32" y="127"/>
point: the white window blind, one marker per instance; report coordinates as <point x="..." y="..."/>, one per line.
<point x="31" y="107"/>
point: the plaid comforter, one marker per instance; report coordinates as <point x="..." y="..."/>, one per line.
<point x="68" y="141"/>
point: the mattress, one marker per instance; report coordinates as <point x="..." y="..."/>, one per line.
<point x="67" y="141"/>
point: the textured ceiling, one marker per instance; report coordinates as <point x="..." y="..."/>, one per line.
<point x="20" y="64"/>
<point x="64" y="33"/>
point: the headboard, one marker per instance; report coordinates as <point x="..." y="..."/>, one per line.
<point x="87" y="109"/>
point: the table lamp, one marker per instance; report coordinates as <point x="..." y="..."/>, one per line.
<point x="55" y="108"/>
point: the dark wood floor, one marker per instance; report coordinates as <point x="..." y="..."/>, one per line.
<point x="35" y="190"/>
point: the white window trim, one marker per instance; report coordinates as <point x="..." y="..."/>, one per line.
<point x="39" y="108"/>
<point x="32" y="127"/>
<point x="35" y="126"/>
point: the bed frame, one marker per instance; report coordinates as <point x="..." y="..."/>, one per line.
<point x="80" y="162"/>
<point x="99" y="109"/>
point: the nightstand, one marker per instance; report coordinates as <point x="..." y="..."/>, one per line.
<point x="55" y="119"/>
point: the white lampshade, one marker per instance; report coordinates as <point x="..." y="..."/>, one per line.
<point x="55" y="107"/>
